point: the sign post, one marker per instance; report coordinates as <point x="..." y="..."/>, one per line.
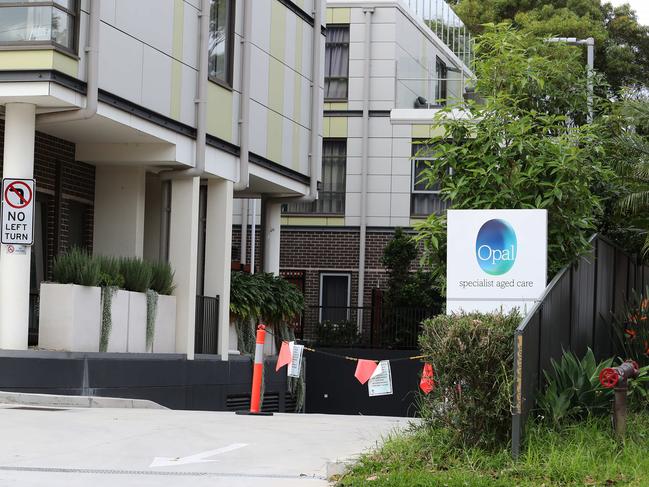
<point x="496" y="259"/>
<point x="17" y="212"/>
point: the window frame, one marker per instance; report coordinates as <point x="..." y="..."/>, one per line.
<point x="338" y="78"/>
<point x="72" y="52"/>
<point x="314" y="211"/>
<point x="227" y="83"/>
<point x="348" y="275"/>
<point x="442" y="81"/>
<point x="413" y="163"/>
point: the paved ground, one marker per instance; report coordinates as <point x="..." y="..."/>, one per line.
<point x="131" y="447"/>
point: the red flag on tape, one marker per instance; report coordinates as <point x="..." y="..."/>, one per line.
<point x="364" y="370"/>
<point x="285" y="356"/>
<point x="427" y="382"/>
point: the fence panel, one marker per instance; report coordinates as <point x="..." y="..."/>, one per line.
<point x="207" y="325"/>
<point x="379" y="326"/>
<point x="583" y="303"/>
<point x="575" y="313"/>
<point x="604" y="299"/>
<point x="555" y="314"/>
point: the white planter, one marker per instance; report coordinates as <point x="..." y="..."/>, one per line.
<point x="234" y="340"/>
<point x="118" y="338"/>
<point x="164" y="335"/>
<point x="136" y="322"/>
<point x="70" y="317"/>
<point x="269" y="344"/>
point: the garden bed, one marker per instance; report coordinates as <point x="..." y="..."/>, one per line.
<point x="583" y="454"/>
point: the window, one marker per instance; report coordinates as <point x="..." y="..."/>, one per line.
<point x="424" y="200"/>
<point x="336" y="63"/>
<point x="334" y="297"/>
<point x="441" y="72"/>
<point x="78" y="225"/>
<point x="45" y="23"/>
<point x="220" y="48"/>
<point x="331" y="197"/>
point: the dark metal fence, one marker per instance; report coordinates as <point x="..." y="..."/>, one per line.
<point x="34" y="307"/>
<point x="376" y="326"/>
<point x="575" y="313"/>
<point x="207" y="325"/>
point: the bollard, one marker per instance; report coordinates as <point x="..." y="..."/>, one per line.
<point x="257" y="375"/>
<point x="618" y="378"/>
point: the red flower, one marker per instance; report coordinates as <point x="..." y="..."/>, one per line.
<point x="631" y="333"/>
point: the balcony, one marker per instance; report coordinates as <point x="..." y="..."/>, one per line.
<point x="445" y="23"/>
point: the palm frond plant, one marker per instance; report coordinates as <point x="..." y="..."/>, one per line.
<point x="631" y="159"/>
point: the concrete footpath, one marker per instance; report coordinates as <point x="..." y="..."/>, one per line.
<point x="150" y="447"/>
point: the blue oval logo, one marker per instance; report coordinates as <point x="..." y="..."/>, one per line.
<point x="496" y="247"/>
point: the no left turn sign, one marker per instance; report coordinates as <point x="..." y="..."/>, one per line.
<point x="18" y="194"/>
<point x="17" y="212"/>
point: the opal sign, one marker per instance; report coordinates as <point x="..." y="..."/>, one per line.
<point x="496" y="259"/>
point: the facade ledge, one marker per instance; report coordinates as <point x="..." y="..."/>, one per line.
<point x="421" y="116"/>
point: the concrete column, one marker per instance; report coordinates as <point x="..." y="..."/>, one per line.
<point x="218" y="254"/>
<point x="272" y="234"/>
<point x="19" y="140"/>
<point x="119" y="211"/>
<point x="183" y="257"/>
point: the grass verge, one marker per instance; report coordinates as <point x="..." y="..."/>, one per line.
<point x="583" y="454"/>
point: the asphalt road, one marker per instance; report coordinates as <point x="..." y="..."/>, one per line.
<point x="136" y="447"/>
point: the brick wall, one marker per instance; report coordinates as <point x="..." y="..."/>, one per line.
<point x="54" y="158"/>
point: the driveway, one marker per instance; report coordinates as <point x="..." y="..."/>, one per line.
<point x="150" y="447"/>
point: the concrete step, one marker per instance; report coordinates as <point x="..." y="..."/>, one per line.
<point x="62" y="401"/>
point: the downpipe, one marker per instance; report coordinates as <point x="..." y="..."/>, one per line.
<point x="368" y="12"/>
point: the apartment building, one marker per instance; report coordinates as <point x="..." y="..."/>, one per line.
<point x="389" y="66"/>
<point x="142" y="121"/>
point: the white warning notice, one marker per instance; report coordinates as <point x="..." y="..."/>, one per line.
<point x="380" y="384"/>
<point x="295" y="366"/>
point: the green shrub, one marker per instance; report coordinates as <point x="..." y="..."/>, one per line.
<point x="137" y="274"/>
<point x="76" y="267"/>
<point x="162" y="279"/>
<point x="472" y="355"/>
<point x="111" y="275"/>
<point x="573" y="390"/>
<point x="338" y="333"/>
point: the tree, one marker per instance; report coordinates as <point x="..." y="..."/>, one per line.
<point x="405" y="288"/>
<point x="622" y="44"/>
<point x="526" y="146"/>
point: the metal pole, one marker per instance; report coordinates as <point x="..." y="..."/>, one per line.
<point x="590" y="43"/>
<point x="253" y="234"/>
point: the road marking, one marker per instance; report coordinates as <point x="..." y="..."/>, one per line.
<point x="196" y="458"/>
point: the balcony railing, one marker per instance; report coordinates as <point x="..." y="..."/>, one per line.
<point x="446" y="24"/>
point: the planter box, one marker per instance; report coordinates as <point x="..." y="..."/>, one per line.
<point x="164" y="335"/>
<point x="118" y="338"/>
<point x="70" y="317"/>
<point x="136" y="322"/>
